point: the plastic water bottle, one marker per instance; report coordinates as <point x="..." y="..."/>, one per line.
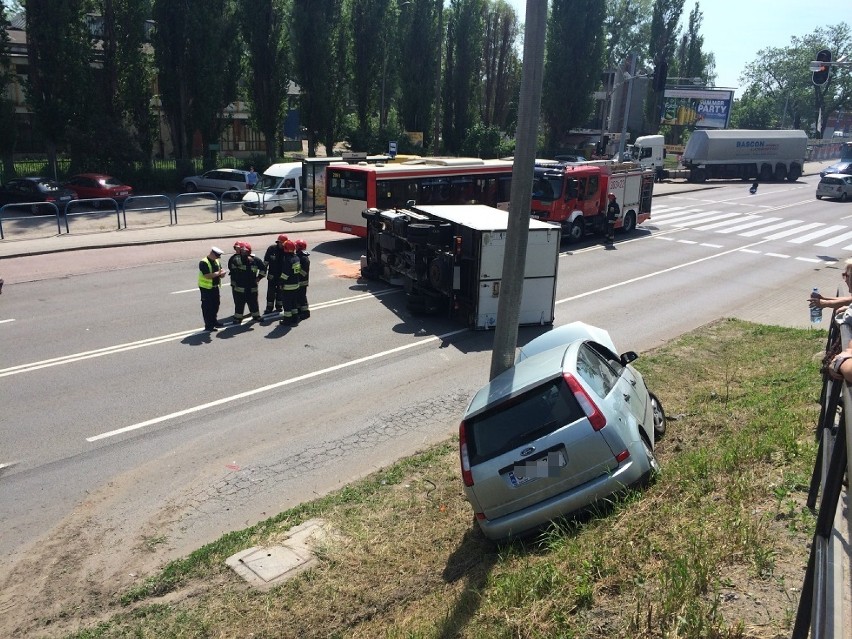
<point x="816" y="312"/>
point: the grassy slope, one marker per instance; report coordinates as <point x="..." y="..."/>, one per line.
<point x="716" y="547"/>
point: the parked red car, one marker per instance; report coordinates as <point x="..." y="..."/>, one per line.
<point x="94" y="185"/>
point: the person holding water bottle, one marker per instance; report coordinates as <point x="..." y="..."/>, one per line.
<point x="817" y="302"/>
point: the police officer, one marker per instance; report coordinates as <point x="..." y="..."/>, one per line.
<point x="613" y="211"/>
<point x="210" y="274"/>
<point x="305" y="263"/>
<point x="272" y="261"/>
<point x="246" y="270"/>
<point x="290" y="280"/>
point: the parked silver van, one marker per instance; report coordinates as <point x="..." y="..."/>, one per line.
<point x="279" y="189"/>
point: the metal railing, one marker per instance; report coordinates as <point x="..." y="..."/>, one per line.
<point x="133" y="204"/>
<point x="817" y="615"/>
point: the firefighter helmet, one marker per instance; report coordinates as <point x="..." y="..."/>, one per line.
<point x="237" y="246"/>
<point x="246" y="247"/>
<point x="301" y="245"/>
<point x="612" y="196"/>
<point x="289" y="247"/>
<point x="281" y="238"/>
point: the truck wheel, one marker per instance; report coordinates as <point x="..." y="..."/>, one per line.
<point x="628" y="224"/>
<point x="698" y="175"/>
<point x="795" y="172"/>
<point x="819" y="197"/>
<point x="577" y="230"/>
<point x="765" y="173"/>
<point x="780" y="173"/>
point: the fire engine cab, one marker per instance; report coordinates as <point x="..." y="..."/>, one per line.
<point x="574" y="195"/>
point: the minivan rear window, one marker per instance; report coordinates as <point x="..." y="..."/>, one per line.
<point x="521" y="419"/>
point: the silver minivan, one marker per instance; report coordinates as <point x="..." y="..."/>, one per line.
<point x="279" y="190"/>
<point x="217" y="181"/>
<point x="563" y="428"/>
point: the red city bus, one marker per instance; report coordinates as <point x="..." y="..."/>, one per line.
<point x="351" y="189"/>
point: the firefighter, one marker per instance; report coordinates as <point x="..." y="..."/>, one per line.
<point x="210" y="274"/>
<point x="246" y="271"/>
<point x="305" y="263"/>
<point x="289" y="281"/>
<point x="613" y="211"/>
<point x="272" y="260"/>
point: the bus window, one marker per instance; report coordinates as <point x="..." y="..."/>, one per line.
<point x="504" y="189"/>
<point x="395" y="193"/>
<point x="434" y="191"/>
<point x="461" y="191"/>
<point x="347" y="185"/>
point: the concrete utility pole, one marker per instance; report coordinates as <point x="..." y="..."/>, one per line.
<point x="514" y="261"/>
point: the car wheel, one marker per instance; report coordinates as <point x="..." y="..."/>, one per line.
<point x="654" y="465"/>
<point x="191" y="187"/>
<point x="659" y="417"/>
<point x="819" y="197"/>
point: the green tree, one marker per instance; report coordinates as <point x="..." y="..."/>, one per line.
<point x="572" y="66"/>
<point x="501" y="66"/>
<point x="754" y="111"/>
<point x="320" y="54"/>
<point x="372" y="43"/>
<point x="122" y="88"/>
<point x="627" y="26"/>
<point x="781" y="76"/>
<point x="8" y="133"/>
<point x="419" y="46"/>
<point x="59" y="75"/>
<point x="664" y="30"/>
<point x="267" y="64"/>
<point x="197" y="54"/>
<point x="690" y="60"/>
<point x="462" y="78"/>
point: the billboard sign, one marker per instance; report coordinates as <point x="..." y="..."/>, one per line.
<point x="707" y="108"/>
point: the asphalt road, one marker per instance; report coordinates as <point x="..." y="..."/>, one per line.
<point x="121" y="419"/>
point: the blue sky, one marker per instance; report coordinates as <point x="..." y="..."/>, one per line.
<point x="735" y="30"/>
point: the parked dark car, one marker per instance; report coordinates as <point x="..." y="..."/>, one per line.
<point x="36" y="189"/>
<point x="95" y="185"/>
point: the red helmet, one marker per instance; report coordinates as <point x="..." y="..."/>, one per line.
<point x="237" y="246"/>
<point x="281" y="238"/>
<point x="289" y="247"/>
<point x="246" y="247"/>
<point x="301" y="245"/>
<point x="612" y="196"/>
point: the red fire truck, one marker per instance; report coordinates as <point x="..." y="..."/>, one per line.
<point x="575" y="195"/>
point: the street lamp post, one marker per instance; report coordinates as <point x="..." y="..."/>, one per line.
<point x="629" y="80"/>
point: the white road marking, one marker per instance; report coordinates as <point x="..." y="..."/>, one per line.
<point x="781" y="255"/>
<point x="837" y="239"/>
<point x="6" y="320"/>
<point x="771" y="227"/>
<point x="162" y="339"/>
<point x="816" y="234"/>
<point x="269" y="387"/>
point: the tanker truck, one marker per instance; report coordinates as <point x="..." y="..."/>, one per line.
<point x="730" y="154"/>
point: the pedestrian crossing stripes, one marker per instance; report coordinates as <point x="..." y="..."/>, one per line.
<point x="751" y="225"/>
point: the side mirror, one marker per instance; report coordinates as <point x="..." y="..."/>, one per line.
<point x="629" y="356"/>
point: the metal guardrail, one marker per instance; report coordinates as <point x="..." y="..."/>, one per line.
<point x="816" y="616"/>
<point x="157" y="203"/>
<point x="18" y="205"/>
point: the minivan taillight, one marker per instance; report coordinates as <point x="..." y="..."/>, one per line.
<point x="467" y="476"/>
<point x="595" y="416"/>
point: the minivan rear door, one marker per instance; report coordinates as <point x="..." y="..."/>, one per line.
<point x="532" y="447"/>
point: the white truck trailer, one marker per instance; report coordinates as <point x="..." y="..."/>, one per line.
<point x="731" y="154"/>
<point x="450" y="260"/>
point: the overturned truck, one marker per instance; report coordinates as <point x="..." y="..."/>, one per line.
<point x="449" y="259"/>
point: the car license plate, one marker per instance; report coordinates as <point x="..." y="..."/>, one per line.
<point x="547" y="466"/>
<point x="65" y="197"/>
<point x="122" y="192"/>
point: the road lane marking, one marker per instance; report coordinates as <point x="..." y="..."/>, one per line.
<point x="162" y="339"/>
<point x="6" y="320"/>
<point x="276" y="385"/>
<point x="670" y="269"/>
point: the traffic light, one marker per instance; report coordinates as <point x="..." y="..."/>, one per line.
<point x="820" y="75"/>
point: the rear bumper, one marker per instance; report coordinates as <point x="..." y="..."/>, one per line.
<point x="537" y="515"/>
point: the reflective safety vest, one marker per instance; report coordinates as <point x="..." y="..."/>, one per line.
<point x="290" y="272"/>
<point x="204" y="282"/>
